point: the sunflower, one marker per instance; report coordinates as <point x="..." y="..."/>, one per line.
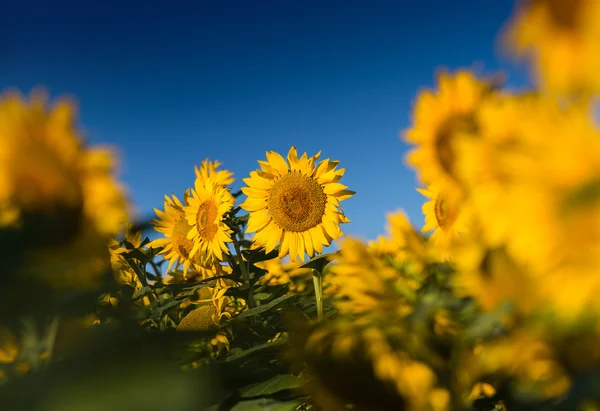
<point x="212" y="315"/>
<point x="48" y="178"/>
<point x="298" y="279"/>
<point x="295" y="204"/>
<point x="208" y="169"/>
<point x="437" y="119"/>
<point x="172" y="223"/>
<point x="446" y="216"/>
<point x="563" y="37"/>
<point x="205" y="214"/>
<point x="402" y="240"/>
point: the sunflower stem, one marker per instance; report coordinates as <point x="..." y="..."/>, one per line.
<point x="244" y="269"/>
<point x="318" y="282"/>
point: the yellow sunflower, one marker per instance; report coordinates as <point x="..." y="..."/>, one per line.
<point x="45" y="170"/>
<point x="437" y="119"/>
<point x="563" y="37"/>
<point x="172" y="223"/>
<point x="295" y="203"/>
<point x="208" y="169"/>
<point x="205" y="214"/>
<point x="402" y="240"/>
<point x="212" y="315"/>
<point x="446" y="216"/>
<point x="298" y="279"/>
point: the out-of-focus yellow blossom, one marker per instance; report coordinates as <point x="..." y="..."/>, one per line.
<point x="9" y="348"/>
<point x="402" y="241"/>
<point x="413" y="380"/>
<point x="298" y="279"/>
<point x="365" y="282"/>
<point x="437" y="118"/>
<point x="205" y="214"/>
<point x="493" y="278"/>
<point x="208" y="169"/>
<point x="45" y="170"/>
<point x="563" y="39"/>
<point x="295" y="204"/>
<point x="527" y="358"/>
<point x="446" y="217"/>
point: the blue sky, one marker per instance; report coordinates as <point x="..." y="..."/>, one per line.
<point x="172" y="83"/>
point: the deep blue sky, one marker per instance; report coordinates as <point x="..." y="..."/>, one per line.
<point x="172" y="83"/>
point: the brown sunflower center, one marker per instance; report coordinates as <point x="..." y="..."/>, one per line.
<point x="443" y="140"/>
<point x="445" y="213"/>
<point x="205" y="219"/>
<point x="565" y="14"/>
<point x="181" y="244"/>
<point x="297" y="202"/>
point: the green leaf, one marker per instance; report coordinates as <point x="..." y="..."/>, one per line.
<point x="271" y="386"/>
<point x="137" y="254"/>
<point x="262" y="296"/>
<point x="266" y="307"/>
<point x="319" y="262"/>
<point x="267" y="404"/>
<point x="258" y="348"/>
<point x="256" y="256"/>
<point x="141" y="292"/>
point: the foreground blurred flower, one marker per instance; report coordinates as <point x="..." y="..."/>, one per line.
<point x="295" y="204"/>
<point x="205" y="214"/>
<point x="438" y="118"/>
<point x="298" y="279"/>
<point x="50" y="183"/>
<point x="563" y="37"/>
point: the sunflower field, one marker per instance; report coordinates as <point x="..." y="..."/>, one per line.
<point x="492" y="304"/>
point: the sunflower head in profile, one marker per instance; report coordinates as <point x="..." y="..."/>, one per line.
<point x="446" y="216"/>
<point x="173" y="224"/>
<point x="211" y="315"/>
<point x="438" y="118"/>
<point x="208" y="169"/>
<point x="295" y="203"/>
<point x="205" y="214"/>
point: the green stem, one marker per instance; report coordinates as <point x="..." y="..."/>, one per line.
<point x="318" y="282"/>
<point x="242" y="264"/>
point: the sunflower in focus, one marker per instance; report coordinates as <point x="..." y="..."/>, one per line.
<point x="295" y="204"/>
<point x="446" y="216"/>
<point x="437" y="119"/>
<point x="208" y="169"/>
<point x="212" y="315"/>
<point x="173" y="224"/>
<point x="205" y="214"/>
<point x="297" y="278"/>
<point x="563" y="37"/>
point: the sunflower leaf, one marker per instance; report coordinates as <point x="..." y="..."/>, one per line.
<point x="319" y="262"/>
<point x="266" y="307"/>
<point x="271" y="386"/>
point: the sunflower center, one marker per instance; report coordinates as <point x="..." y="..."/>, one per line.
<point x="205" y="219"/>
<point x="297" y="202"/>
<point x="443" y="140"/>
<point x="445" y="214"/>
<point x="201" y="319"/>
<point x="565" y="14"/>
<point x="181" y="244"/>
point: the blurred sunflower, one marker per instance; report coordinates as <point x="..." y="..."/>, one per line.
<point x="173" y="224"/>
<point x="295" y="204"/>
<point x="365" y="282"/>
<point x="446" y="216"/>
<point x="402" y="240"/>
<point x="437" y="119"/>
<point x="563" y="37"/>
<point x="48" y="179"/>
<point x="208" y="169"/>
<point x="205" y="214"/>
